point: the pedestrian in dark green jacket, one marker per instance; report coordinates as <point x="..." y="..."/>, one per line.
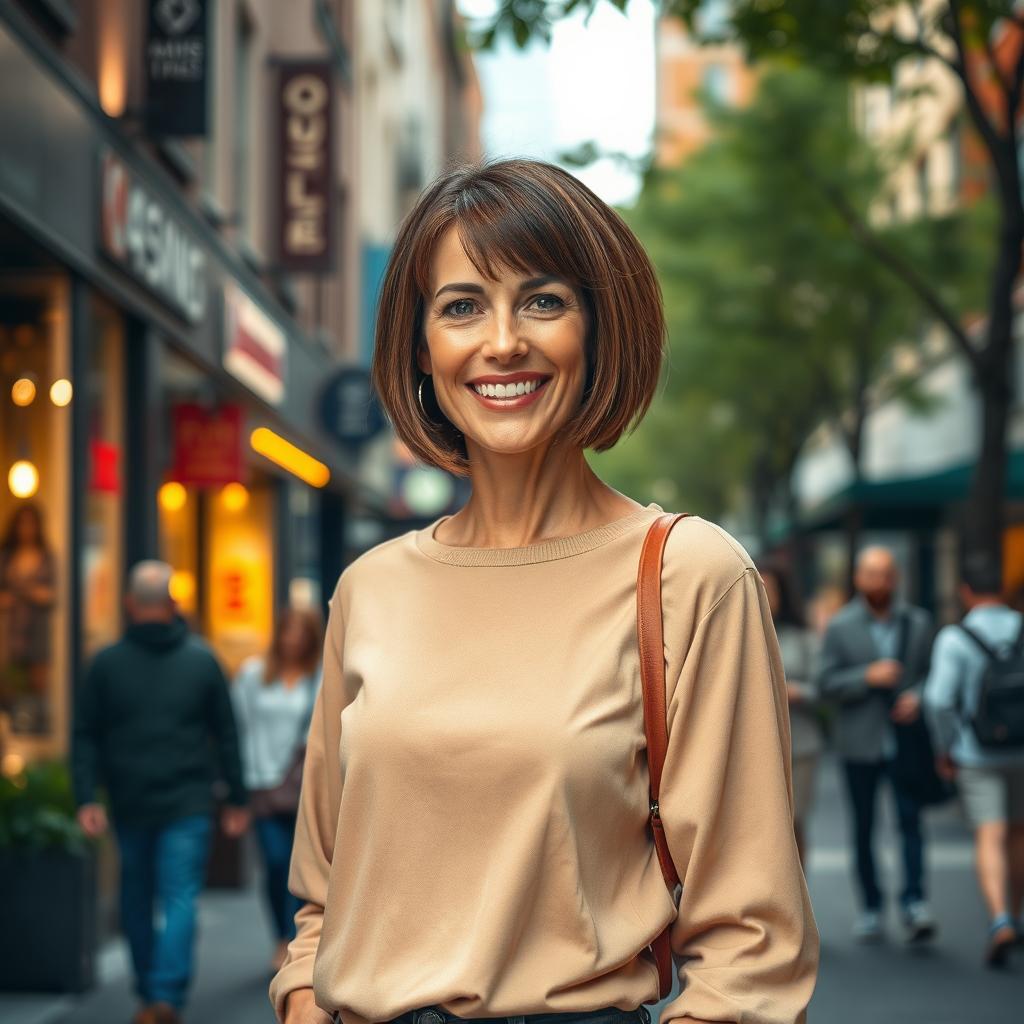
<point x="154" y="726"/>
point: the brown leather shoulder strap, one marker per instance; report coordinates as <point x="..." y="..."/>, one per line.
<point x="651" y="643"/>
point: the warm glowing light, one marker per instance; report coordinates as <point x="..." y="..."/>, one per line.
<point x="23" y="479"/>
<point x="23" y="391"/>
<point x="172" y="496"/>
<point x="234" y="497"/>
<point x="12" y="764"/>
<point x="61" y="392"/>
<point x="274" y="447"/>
<point x="183" y="587"/>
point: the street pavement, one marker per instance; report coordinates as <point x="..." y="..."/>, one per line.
<point x="885" y="984"/>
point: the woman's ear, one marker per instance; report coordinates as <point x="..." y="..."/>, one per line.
<point x="423" y="357"/>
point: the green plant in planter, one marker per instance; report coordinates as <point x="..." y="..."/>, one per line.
<point x="37" y="811"/>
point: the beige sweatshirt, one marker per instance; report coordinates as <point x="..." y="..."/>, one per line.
<point x="473" y="825"/>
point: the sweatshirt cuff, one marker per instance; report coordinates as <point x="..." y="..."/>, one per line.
<point x="294" y="975"/>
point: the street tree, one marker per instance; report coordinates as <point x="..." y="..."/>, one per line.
<point x="981" y="43"/>
<point x="779" y="319"/>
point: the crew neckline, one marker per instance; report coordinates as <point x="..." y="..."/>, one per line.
<point x="541" y="551"/>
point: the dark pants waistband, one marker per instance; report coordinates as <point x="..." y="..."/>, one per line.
<point x="605" y="1015"/>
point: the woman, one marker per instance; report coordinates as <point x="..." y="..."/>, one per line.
<point x="27" y="597"/>
<point x="799" y="648"/>
<point x="273" y="700"/>
<point x="473" y="835"/>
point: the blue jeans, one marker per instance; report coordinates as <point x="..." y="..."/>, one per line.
<point x="862" y="782"/>
<point x="275" y="835"/>
<point x="164" y="867"/>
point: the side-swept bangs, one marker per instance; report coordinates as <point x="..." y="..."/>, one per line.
<point x="533" y="218"/>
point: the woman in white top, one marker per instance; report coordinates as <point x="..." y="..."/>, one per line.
<point x="273" y="698"/>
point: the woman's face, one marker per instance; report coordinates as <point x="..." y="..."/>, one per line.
<point x="293" y="640"/>
<point x="507" y="357"/>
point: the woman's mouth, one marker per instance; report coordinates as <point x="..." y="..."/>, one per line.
<point x="512" y="394"/>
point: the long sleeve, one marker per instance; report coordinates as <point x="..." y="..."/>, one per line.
<point x="838" y="680"/>
<point x="84" y="741"/>
<point x="317" y="823"/>
<point x="225" y="732"/>
<point x="942" y="691"/>
<point x="745" y="937"/>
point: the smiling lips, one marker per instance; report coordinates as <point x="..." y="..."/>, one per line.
<point x="508" y="391"/>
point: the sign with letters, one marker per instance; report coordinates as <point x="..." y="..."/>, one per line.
<point x="142" y="236"/>
<point x="305" y="111"/>
<point x="177" y="58"/>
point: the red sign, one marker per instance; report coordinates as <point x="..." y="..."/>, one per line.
<point x="209" y="446"/>
<point x="104" y="458"/>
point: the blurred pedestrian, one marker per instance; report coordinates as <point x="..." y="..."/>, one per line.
<point x="990" y="778"/>
<point x="800" y="648"/>
<point x="151" y="713"/>
<point x="475" y="832"/>
<point x="273" y="699"/>
<point x="874" y="662"/>
<point x="28" y="593"/>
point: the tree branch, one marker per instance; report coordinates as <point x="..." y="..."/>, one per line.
<point x="869" y="239"/>
<point x="984" y="126"/>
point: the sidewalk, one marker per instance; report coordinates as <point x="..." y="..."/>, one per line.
<point x="885" y="984"/>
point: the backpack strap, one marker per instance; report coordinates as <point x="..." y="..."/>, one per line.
<point x="988" y="651"/>
<point x="1018" y="644"/>
<point x="651" y="642"/>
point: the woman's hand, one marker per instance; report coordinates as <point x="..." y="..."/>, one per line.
<point x="299" y="1008"/>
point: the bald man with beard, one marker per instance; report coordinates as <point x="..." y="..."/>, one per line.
<point x="874" y="662"/>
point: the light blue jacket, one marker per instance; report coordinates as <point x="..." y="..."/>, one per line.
<point x="958" y="665"/>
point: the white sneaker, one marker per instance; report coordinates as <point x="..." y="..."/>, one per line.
<point x="868" y="926"/>
<point x="918" y="920"/>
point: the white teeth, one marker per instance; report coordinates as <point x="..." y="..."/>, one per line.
<point x="507" y="390"/>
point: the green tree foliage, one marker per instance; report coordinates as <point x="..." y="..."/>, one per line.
<point x="779" y="319"/>
<point x="868" y="40"/>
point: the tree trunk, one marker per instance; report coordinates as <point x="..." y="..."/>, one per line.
<point x="983" y="530"/>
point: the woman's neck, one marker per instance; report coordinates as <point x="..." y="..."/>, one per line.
<point x="525" y="498"/>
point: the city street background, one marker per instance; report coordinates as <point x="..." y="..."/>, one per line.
<point x="198" y="199"/>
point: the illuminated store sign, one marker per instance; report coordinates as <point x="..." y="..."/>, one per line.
<point x="143" y="237"/>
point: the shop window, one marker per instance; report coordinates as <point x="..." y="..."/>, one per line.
<point x="34" y="513"/>
<point x="218" y="532"/>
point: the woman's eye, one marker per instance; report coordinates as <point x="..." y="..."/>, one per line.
<point x="548" y="302"/>
<point x="460" y="307"/>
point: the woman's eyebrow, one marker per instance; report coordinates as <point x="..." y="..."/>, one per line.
<point x="476" y="289"/>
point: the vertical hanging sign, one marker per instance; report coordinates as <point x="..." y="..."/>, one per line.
<point x="305" y="112"/>
<point x="177" y="59"/>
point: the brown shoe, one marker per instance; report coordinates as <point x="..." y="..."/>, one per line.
<point x="164" y="1013"/>
<point x="144" y="1015"/>
<point x="1000" y="940"/>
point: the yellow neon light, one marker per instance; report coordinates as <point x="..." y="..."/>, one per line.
<point x="301" y="464"/>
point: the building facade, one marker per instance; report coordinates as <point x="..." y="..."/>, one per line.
<point x="177" y="305"/>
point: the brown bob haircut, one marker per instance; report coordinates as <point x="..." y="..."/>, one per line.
<point x="534" y="218"/>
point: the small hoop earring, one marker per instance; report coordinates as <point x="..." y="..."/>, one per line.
<point x="419" y="393"/>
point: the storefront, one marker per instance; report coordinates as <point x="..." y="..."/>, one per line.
<point x="155" y="401"/>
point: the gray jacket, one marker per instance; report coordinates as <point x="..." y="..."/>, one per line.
<point x="863" y="726"/>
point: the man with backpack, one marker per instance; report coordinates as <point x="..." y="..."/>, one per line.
<point x="974" y="698"/>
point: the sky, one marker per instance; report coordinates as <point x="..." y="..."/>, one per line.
<point x="595" y="83"/>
